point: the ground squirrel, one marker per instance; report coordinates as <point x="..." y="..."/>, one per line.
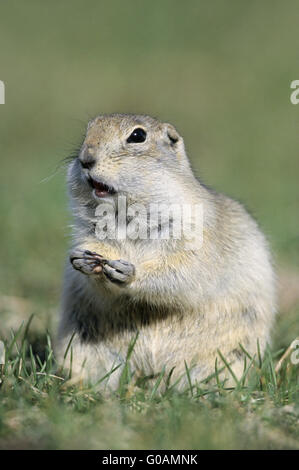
<point x="182" y="303"/>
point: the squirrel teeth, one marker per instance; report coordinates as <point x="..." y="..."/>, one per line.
<point x="101" y="189"/>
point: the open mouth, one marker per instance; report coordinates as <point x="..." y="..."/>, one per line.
<point x="101" y="189"/>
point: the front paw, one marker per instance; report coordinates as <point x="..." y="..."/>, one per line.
<point x="87" y="262"/>
<point x="119" y="271"/>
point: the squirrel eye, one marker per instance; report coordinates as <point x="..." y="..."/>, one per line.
<point x="138" y="135"/>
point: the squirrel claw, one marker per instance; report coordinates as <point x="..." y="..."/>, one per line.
<point x="119" y="271"/>
<point x="86" y="261"/>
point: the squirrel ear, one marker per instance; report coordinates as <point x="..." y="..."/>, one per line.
<point x="172" y="134"/>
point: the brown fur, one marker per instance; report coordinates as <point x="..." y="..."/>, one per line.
<point x="185" y="304"/>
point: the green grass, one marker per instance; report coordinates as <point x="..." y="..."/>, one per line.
<point x="42" y="409"/>
<point x="221" y="72"/>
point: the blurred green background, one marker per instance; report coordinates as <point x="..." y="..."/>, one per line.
<point x="219" y="71"/>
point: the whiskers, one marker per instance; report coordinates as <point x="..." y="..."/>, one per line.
<point x="64" y="163"/>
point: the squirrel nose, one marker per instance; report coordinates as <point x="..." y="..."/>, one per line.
<point x="87" y="160"/>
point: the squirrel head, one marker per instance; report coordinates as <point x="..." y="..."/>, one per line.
<point x="132" y="155"/>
